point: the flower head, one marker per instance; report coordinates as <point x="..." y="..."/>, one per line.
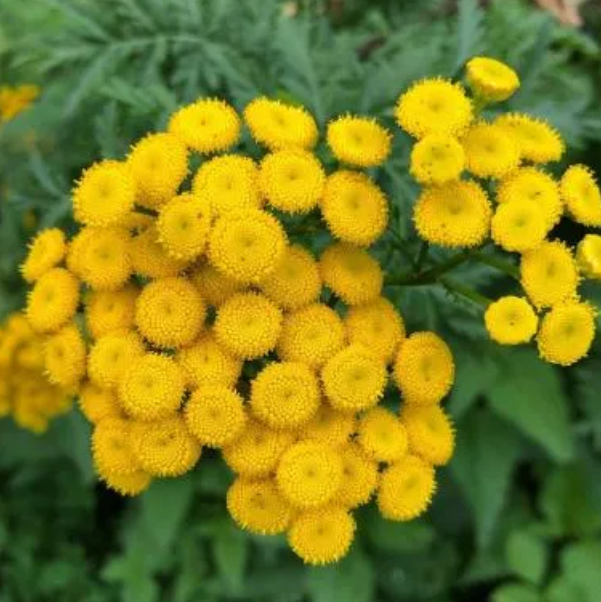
<point x="437" y="159"/>
<point x="46" y="251"/>
<point x="329" y="426"/>
<point x="358" y="141"/>
<point x="381" y="435"/>
<point x="359" y="477"/>
<point x="214" y="286"/>
<point x="97" y="403"/>
<point x="430" y="432"/>
<point x="490" y="152"/>
<point x="518" y="226"/>
<point x="511" y="321"/>
<point x="108" y="311"/>
<point x="65" y="357"/>
<point x="149" y="258"/>
<point x="588" y="256"/>
<point x="581" y="195"/>
<point x="491" y="79"/>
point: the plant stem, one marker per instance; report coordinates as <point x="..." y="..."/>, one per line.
<point x="498" y="264"/>
<point x="466" y="292"/>
<point x="422" y="255"/>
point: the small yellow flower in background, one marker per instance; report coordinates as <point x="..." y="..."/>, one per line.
<point x="511" y="321"/>
<point x="46" y="251"/>
<point x="490" y="79"/>
<point x="15" y="100"/>
<point x="588" y="256"/>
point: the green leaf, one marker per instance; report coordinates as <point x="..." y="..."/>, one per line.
<point x="526" y="555"/>
<point x="581" y="563"/>
<point x="71" y="434"/>
<point x="515" y="592"/>
<point x="529" y="394"/>
<point x="469" y="31"/>
<point x="230" y="552"/>
<point x="562" y="590"/>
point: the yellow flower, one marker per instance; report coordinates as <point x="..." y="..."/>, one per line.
<point x="228" y="183"/>
<point x="530" y="185"/>
<point x="490" y="152"/>
<point x="434" y="106"/>
<point x="214" y="286"/>
<point x="183" y="227"/>
<point x="566" y="333"/>
<point x="151" y="387"/>
<point x="359" y="477"/>
<point x="285" y="395"/>
<point x="127" y="484"/>
<point x="549" y="274"/>
<point x="329" y="426"/>
<point x="111" y="447"/>
<point x="351" y="273"/>
<point x="277" y="125"/>
<point x="377" y="326"/>
<point x="149" y="258"/>
<point x="381" y="435"/>
<point x="295" y="282"/>
<point x="406" y="489"/>
<point x="105" y="194"/>
<point x="65" y="357"/>
<point x="454" y="215"/>
<point x="208" y="125"/>
<point x="510" y="321"/>
<point x="96" y="404"/>
<point x="159" y="164"/>
<point x="164" y="448"/>
<point x="354" y="379"/>
<point x="248" y="325"/>
<point x="588" y="256"/>
<point x="258" y="507"/>
<point x="581" y="195"/>
<point x="107" y="311"/>
<point x="424" y="369"/>
<point x="207" y="363"/>
<point x="247" y="245"/>
<point x="437" y="159"/>
<point x="170" y="312"/>
<point x="215" y="415"/>
<point x="16" y="100"/>
<point x="322" y="536"/>
<point x="518" y="226"/>
<point x="536" y="139"/>
<point x="491" y="80"/>
<point x="354" y="208"/>
<point x="46" y="251"/>
<point x="257" y="451"/>
<point x="309" y="474"/>
<point x="430" y="432"/>
<point x="292" y="180"/>
<point x="53" y="300"/>
<point x="358" y="141"/>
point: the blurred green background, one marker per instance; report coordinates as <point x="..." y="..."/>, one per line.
<point x="518" y="514"/>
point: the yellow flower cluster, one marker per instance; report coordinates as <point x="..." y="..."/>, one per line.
<point x="25" y="393"/>
<point x="206" y="324"/>
<point x="485" y="181"/>
<point x="14" y="100"/>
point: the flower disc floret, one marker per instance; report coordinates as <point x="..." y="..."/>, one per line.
<point x="511" y="321"/>
<point x="518" y="226"/>
<point x="490" y="151"/>
<point x="108" y="311"/>
<point x="149" y="258"/>
<point x="214" y="286"/>
<point x="329" y="426"/>
<point x="437" y="159"/>
<point x="382" y="436"/>
<point x="97" y="403"/>
<point x="46" y="251"/>
<point x="111" y="447"/>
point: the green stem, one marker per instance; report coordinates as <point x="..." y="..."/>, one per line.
<point x="498" y="264"/>
<point x="429" y="276"/>
<point x="422" y="255"/>
<point x="466" y="292"/>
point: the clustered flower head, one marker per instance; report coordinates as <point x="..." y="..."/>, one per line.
<point x="188" y="316"/>
<point x="25" y="393"/>
<point x="491" y="180"/>
<point x="16" y="99"/>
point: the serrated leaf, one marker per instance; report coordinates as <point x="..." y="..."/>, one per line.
<point x="526" y="555"/>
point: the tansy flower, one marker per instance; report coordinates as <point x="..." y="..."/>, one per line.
<point x="354" y="208"/>
<point x="430" y="433"/>
<point x="277" y="125"/>
<point x="111" y="447"/>
<point x="15" y="100"/>
<point x="519" y="226"/>
<point x="549" y="274"/>
<point x="381" y="435"/>
<point x="164" y="448"/>
<point x="359" y="477"/>
<point x="581" y="195"/>
<point x="295" y="282"/>
<point x="491" y="80"/>
<point x="536" y="139"/>
<point x="127" y="484"/>
<point x="228" y="183"/>
<point x="151" y="387"/>
<point x="424" y="369"/>
<point x="322" y="536"/>
<point x="107" y="311"/>
<point x="358" y="141"/>
<point x="490" y="151"/>
<point x="45" y="252"/>
<point x="377" y="326"/>
<point x="105" y="194"/>
<point x="53" y="300"/>
<point x="566" y="333"/>
<point x="183" y="227"/>
<point x="329" y="426"/>
<point x="258" y="507"/>
<point x="149" y="258"/>
<point x="247" y="245"/>
<point x="309" y="474"/>
<point x="588" y="256"/>
<point x="215" y="287"/>
<point x="209" y="125"/>
<point x="437" y="159"/>
<point x="97" y="403"/>
<point x="454" y="215"/>
<point x="65" y="357"/>
<point x="510" y="321"/>
<point x="406" y="489"/>
<point x="170" y="312"/>
<point x="215" y="415"/>
<point x="257" y="451"/>
<point x="292" y="180"/>
<point x="159" y="164"/>
<point x="351" y="273"/>
<point x="434" y="106"/>
<point x="207" y="363"/>
<point x="76" y="248"/>
<point x="285" y="395"/>
<point x="354" y="379"/>
<point x="248" y="325"/>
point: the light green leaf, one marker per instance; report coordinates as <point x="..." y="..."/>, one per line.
<point x="469" y="31"/>
<point x="581" y="564"/>
<point x="230" y="552"/>
<point x="516" y="593"/>
<point x="526" y="555"/>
